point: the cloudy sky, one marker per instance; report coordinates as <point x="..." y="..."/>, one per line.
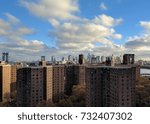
<point x="31" y="28"/>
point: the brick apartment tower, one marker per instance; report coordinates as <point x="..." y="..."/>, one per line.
<point x="110" y="86"/>
<point x="35" y="84"/>
<point x="79" y="77"/>
<point x="5" y="80"/>
<point x="13" y="87"/>
<point x="48" y="83"/>
<point x="74" y="75"/>
<point x="29" y="86"/>
<point x="58" y="82"/>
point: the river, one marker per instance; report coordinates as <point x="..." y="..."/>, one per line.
<point x="145" y="71"/>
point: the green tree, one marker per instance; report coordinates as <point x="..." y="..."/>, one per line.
<point x="77" y="99"/>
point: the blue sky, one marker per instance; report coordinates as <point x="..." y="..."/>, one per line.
<point x="61" y="27"/>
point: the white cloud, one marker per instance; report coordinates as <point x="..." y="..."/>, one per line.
<point x="52" y="9"/>
<point x="140" y="44"/>
<point x="54" y="22"/>
<point x="107" y="20"/>
<point x="103" y="6"/>
<point x="12" y="19"/>
<point x="117" y="36"/>
<point x="142" y="41"/>
<point x="108" y="50"/>
<point x="13" y="28"/>
<point x="72" y="34"/>
<point x="4" y="26"/>
<point x="83" y="35"/>
<point x="24" y="31"/>
<point x="12" y="34"/>
<point x="146" y="26"/>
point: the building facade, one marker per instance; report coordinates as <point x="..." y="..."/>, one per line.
<point x="5" y="81"/>
<point x="48" y="83"/>
<point x="41" y="83"/>
<point x="79" y="74"/>
<point x="128" y="59"/>
<point x="81" y="59"/>
<point x="58" y="82"/>
<point x="29" y="86"/>
<point x="74" y="75"/>
<point x="13" y="87"/>
<point x="110" y="86"/>
<point x="69" y="78"/>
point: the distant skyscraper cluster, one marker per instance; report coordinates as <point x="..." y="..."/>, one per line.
<point x="109" y="81"/>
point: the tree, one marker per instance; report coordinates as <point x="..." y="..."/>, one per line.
<point x="77" y="99"/>
<point x="45" y="103"/>
<point x="143" y="92"/>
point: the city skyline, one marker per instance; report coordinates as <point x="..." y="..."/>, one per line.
<point x="93" y="83"/>
<point x="29" y="29"/>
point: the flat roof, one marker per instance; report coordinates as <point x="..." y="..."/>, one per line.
<point x="115" y="67"/>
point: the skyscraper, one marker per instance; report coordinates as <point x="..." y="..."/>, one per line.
<point x="94" y="59"/>
<point x="81" y="59"/>
<point x="42" y="58"/>
<point x="103" y="59"/>
<point x="108" y="61"/>
<point x="128" y="59"/>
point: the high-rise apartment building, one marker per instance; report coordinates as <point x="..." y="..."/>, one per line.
<point x="48" y="83"/>
<point x="79" y="74"/>
<point x="35" y="84"/>
<point x="29" y="86"/>
<point x="5" y="80"/>
<point x="75" y="75"/>
<point x="109" y="86"/>
<point x="58" y="82"/>
<point x="13" y="87"/>
<point x="43" y="61"/>
<point x="70" y="78"/>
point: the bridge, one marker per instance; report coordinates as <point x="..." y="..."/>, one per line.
<point x="145" y="74"/>
<point x="145" y="66"/>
